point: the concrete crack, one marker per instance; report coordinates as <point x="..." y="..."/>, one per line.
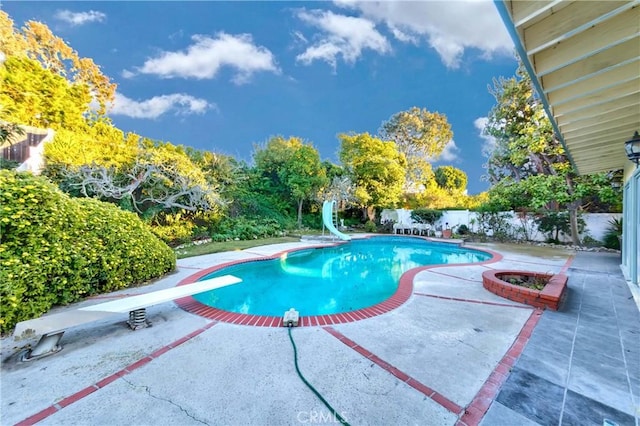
<point x="472" y="347"/>
<point x="148" y="391"/>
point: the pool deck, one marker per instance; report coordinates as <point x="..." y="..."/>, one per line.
<point x="452" y="354"/>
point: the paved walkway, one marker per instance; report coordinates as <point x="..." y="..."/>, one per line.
<point x="453" y="354"/>
<point x="582" y="364"/>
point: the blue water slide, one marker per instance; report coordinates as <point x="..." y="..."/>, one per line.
<point x="327" y="219"/>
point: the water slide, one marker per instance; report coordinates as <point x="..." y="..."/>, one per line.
<point x="327" y="219"/>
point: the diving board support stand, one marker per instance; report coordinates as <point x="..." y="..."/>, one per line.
<point x="138" y="319"/>
<point x="52" y="327"/>
<point x="47" y="345"/>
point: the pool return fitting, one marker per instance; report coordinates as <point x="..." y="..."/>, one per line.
<point x="291" y="319"/>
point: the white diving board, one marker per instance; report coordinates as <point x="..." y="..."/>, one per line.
<point x="51" y="327"/>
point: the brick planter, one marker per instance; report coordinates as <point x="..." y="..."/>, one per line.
<point x="549" y="297"/>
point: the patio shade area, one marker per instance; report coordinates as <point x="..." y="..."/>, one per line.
<point x="586" y="57"/>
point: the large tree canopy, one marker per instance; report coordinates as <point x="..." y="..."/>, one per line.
<point x="376" y="168"/>
<point x="35" y="96"/>
<point x="162" y="179"/>
<point x="528" y="166"/>
<point x="525" y="144"/>
<point x="450" y="178"/>
<point x="420" y="135"/>
<point x="304" y="176"/>
<point x="45" y="83"/>
<point x="293" y="169"/>
<point x="36" y="41"/>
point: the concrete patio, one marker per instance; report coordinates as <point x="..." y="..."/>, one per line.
<point x="454" y="353"/>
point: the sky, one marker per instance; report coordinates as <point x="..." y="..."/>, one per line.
<point x="227" y="76"/>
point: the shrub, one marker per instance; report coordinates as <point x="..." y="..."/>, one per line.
<point x="463" y="229"/>
<point x="589" y="241"/>
<point x="553" y="224"/>
<point x="312" y="220"/>
<point x="612" y="235"/>
<point x="175" y="233"/>
<point x="352" y="222"/>
<point x="173" y="229"/>
<point x="56" y="250"/>
<point x="8" y="164"/>
<point x="386" y="226"/>
<point x="494" y="222"/>
<point x="244" y="229"/>
<point x="370" y="226"/>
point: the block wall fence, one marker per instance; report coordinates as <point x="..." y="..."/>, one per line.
<point x="596" y="223"/>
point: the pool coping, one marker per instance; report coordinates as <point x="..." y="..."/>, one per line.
<point x="401" y="295"/>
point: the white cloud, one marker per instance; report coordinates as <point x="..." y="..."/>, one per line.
<point x="178" y="103"/>
<point x="206" y="56"/>
<point x="79" y="18"/>
<point x="127" y="74"/>
<point x="449" y="27"/>
<point x="402" y="36"/>
<point x="450" y="152"/>
<point x="489" y="141"/>
<point x="342" y="36"/>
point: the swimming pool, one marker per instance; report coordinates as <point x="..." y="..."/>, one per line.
<point x="330" y="280"/>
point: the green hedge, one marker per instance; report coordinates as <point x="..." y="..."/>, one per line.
<point x="244" y="229"/>
<point x="55" y="249"/>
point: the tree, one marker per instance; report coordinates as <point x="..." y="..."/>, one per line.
<point x="219" y="169"/>
<point x="451" y="178"/>
<point x="528" y="166"/>
<point x="304" y="176"/>
<point x="12" y="42"/>
<point x="100" y="145"/>
<point x="525" y="142"/>
<point x="251" y="197"/>
<point x="377" y="169"/>
<point x="420" y="135"/>
<point x="37" y="97"/>
<point x="145" y="186"/>
<point x="293" y="168"/>
<point x="341" y="190"/>
<point x="162" y="180"/>
<point x="271" y="158"/>
<point x="36" y="41"/>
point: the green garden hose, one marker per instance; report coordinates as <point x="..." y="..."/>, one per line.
<point x="324" y="401"/>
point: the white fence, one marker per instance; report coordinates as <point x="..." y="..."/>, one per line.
<point x="596" y="224"/>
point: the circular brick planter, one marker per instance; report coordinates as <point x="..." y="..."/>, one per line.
<point x="550" y="296"/>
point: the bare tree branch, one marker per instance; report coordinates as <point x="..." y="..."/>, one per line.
<point x="144" y="184"/>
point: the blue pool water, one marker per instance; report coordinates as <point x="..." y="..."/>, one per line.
<point x="330" y="280"/>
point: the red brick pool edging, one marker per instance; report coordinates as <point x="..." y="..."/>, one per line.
<point x="402" y="294"/>
<point x="549" y="297"/>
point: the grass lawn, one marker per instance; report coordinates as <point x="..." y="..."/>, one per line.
<point x="215" y="247"/>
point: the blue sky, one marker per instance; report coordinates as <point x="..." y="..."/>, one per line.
<point x="225" y="76"/>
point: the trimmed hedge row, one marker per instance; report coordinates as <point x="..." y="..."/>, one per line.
<point x="55" y="249"/>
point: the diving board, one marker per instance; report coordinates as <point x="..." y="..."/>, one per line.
<point x="52" y="327"/>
